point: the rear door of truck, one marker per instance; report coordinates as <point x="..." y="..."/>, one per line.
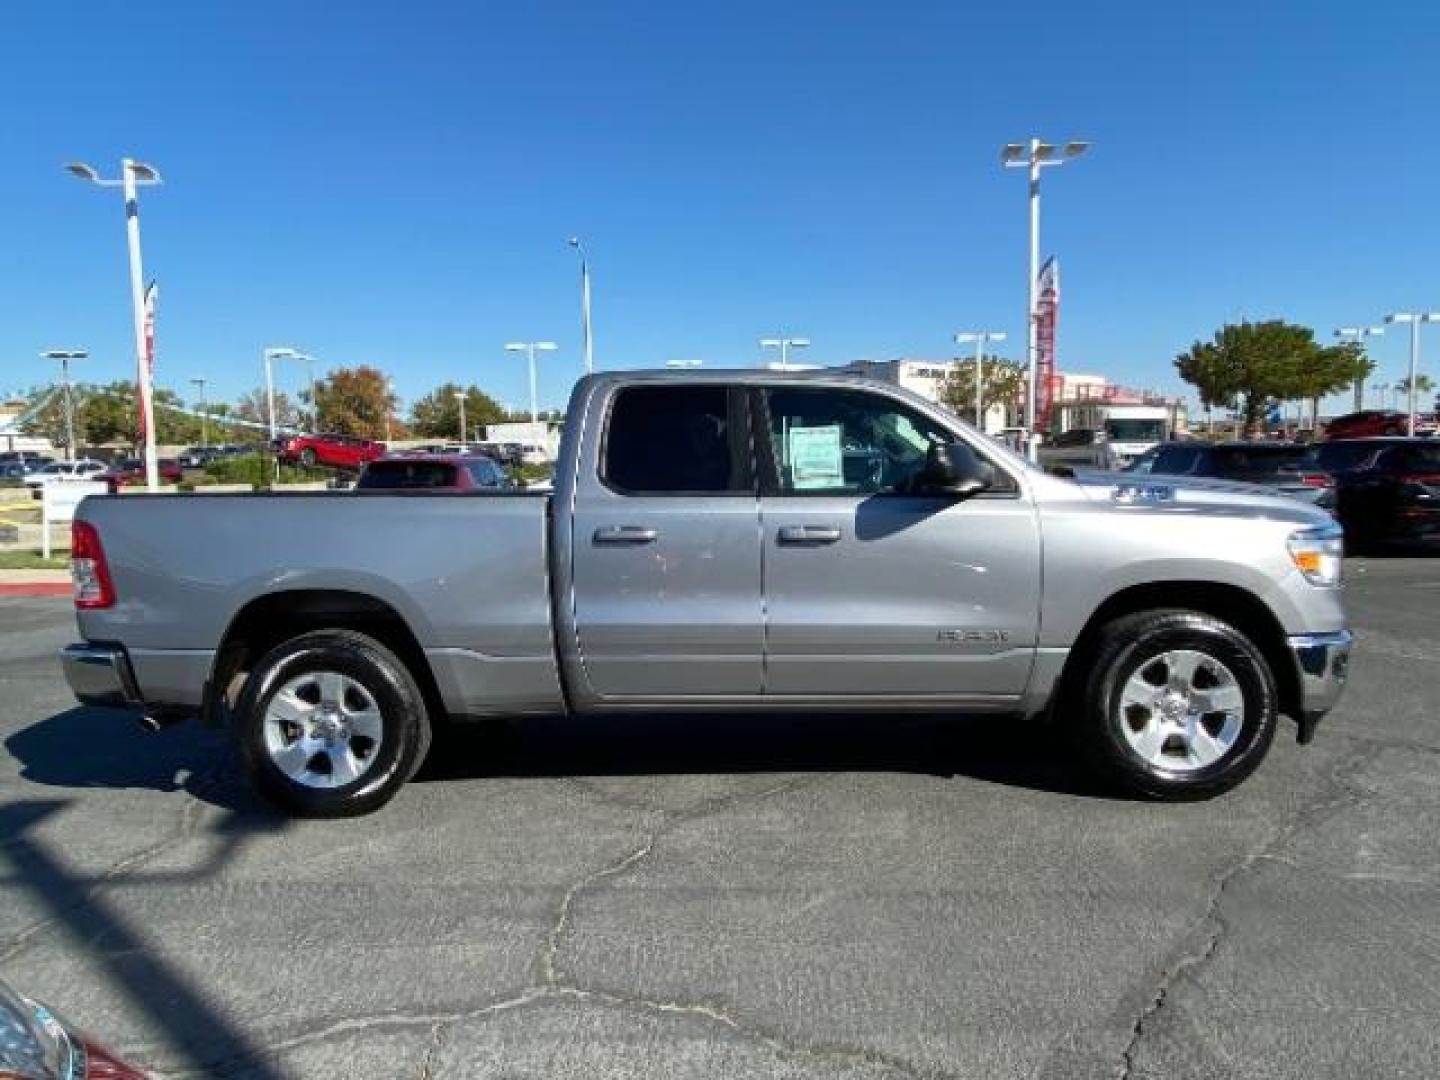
<point x="664" y="547"/>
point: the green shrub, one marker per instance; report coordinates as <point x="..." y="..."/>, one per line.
<point x="257" y="470"/>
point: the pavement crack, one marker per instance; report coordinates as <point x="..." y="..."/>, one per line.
<point x="427" y="1063"/>
<point x="1210" y="927"/>
<point x="551" y="947"/>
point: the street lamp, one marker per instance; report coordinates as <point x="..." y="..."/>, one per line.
<point x="1414" y="318"/>
<point x="585" y="329"/>
<point x="134" y="174"/>
<point x="460" y="397"/>
<point x="65" y="356"/>
<point x="1034" y="156"/>
<point x="981" y="338"/>
<point x="785" y="344"/>
<point x="1358" y="334"/>
<point x="270" y="355"/>
<point x="204" y="413"/>
<point x="530" y="348"/>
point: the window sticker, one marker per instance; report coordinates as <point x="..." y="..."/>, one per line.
<point x="816" y="457"/>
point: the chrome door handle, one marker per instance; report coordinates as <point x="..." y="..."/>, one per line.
<point x="804" y="535"/>
<point x="625" y="534"/>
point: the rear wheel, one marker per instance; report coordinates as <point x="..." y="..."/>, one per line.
<point x="331" y="724"/>
<point x="1177" y="705"/>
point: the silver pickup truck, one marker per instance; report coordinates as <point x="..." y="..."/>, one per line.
<point x="721" y="541"/>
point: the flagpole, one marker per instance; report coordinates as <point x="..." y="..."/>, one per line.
<point x="143" y="358"/>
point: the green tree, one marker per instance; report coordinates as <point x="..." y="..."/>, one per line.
<point x="254" y="407"/>
<point x="1249" y="365"/>
<point x="437" y="414"/>
<point x="1001" y="381"/>
<point x="1328" y="370"/>
<point x="355" y="401"/>
<point x="1423" y="385"/>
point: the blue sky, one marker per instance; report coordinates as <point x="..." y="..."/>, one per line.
<point x="393" y="183"/>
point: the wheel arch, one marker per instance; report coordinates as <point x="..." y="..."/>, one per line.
<point x="1233" y="604"/>
<point x="267" y="620"/>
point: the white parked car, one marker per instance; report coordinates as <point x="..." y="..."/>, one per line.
<point x="60" y="472"/>
<point x="534" y="455"/>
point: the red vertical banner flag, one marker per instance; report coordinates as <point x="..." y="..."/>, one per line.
<point x="151" y="292"/>
<point x="1047" y="314"/>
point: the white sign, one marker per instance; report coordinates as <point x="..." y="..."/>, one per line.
<point x="58" y="503"/>
<point x="816" y="458"/>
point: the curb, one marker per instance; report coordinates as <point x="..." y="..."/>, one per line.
<point x="35" y="588"/>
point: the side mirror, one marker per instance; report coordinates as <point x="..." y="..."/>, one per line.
<point x="955" y="469"/>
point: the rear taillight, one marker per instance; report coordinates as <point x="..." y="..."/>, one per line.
<point x="89" y="573"/>
<point x="1317" y="480"/>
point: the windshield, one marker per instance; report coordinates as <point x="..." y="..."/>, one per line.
<point x="1135" y="430"/>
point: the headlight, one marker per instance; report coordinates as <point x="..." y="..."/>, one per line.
<point x="1316" y="553"/>
<point x="33" y="1045"/>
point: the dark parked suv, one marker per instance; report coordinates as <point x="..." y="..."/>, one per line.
<point x="1385" y="489"/>
<point x="1286" y="467"/>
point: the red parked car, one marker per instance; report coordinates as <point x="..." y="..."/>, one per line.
<point x="336" y="451"/>
<point x="434" y="472"/>
<point x="1366" y="424"/>
<point x="127" y="472"/>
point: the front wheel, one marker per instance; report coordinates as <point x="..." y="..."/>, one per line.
<point x="331" y="724"/>
<point x="1177" y="705"/>
<point x="308" y="458"/>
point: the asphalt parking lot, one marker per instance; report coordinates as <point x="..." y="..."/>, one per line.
<point x="767" y="897"/>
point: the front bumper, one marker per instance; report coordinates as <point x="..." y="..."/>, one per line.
<point x="101" y="675"/>
<point x="1323" y="663"/>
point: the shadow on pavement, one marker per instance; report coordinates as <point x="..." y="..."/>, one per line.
<point x="195" y="1025"/>
<point x="106" y="748"/>
<point x="996" y="749"/>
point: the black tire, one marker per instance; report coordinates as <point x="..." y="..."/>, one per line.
<point x="405" y="724"/>
<point x="1123" y="649"/>
<point x="308" y="458"/>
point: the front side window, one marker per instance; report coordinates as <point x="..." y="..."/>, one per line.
<point x="669" y="440"/>
<point x="1177" y="459"/>
<point x="847" y="442"/>
<point x="486" y="474"/>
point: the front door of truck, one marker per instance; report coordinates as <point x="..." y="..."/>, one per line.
<point x="666" y="549"/>
<point x="870" y="590"/>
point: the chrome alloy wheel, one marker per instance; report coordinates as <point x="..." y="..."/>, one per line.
<point x="323" y="729"/>
<point x="1182" y="710"/>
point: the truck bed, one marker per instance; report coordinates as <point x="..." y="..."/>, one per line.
<point x="467" y="573"/>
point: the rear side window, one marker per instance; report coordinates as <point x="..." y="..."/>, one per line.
<point x="406" y="476"/>
<point x="668" y="440"/>
<point x="1238" y="460"/>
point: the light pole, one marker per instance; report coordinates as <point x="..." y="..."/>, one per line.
<point x="785" y="344"/>
<point x="586" y="331"/>
<point x="530" y="348"/>
<point x="981" y="338"/>
<point x="314" y="395"/>
<point x="270" y="355"/>
<point x="1358" y="334"/>
<point x="1414" y="318"/>
<point x="134" y="174"/>
<point x="389" y="397"/>
<point x="204" y="414"/>
<point x="460" y="397"/>
<point x="65" y="356"/>
<point x="1034" y="156"/>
